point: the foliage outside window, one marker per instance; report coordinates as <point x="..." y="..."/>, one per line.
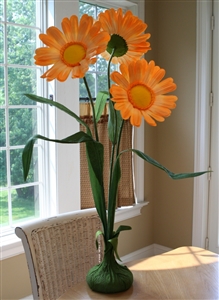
<point x="19" y="117"/>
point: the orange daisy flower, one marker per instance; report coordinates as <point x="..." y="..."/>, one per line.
<point x="140" y="92"/>
<point x="127" y="38"/>
<point x="73" y="50"/>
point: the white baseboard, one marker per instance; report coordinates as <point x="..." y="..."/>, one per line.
<point x="148" y="251"/>
<point x="159" y="249"/>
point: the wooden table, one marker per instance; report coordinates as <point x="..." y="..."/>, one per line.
<point x="183" y="273"/>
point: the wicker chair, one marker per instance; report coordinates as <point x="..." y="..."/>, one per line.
<point x="60" y="251"/>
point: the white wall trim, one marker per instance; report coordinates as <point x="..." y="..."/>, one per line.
<point x="159" y="249"/>
<point x="129" y="212"/>
<point x="148" y="251"/>
<point x="213" y="219"/>
<point x="201" y="155"/>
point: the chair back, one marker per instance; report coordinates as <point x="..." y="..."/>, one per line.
<point x="60" y="251"/>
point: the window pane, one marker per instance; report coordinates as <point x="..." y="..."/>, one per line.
<point x="25" y="203"/>
<point x="22" y="125"/>
<point x="4" y="208"/>
<point x="102" y="65"/>
<point x="2" y="129"/>
<point x="17" y="170"/>
<point x="20" y="117"/>
<point x="21" y="81"/>
<point x="85" y="8"/>
<point x="21" y="45"/>
<point x="102" y="82"/>
<point x="1" y="43"/>
<point x="21" y="12"/>
<point x="1" y="10"/>
<point x="92" y="68"/>
<point x="3" y="168"/>
<point x="100" y="9"/>
<point x="2" y="86"/>
<point x="91" y="83"/>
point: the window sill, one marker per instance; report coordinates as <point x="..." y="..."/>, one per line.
<point x="130" y="212"/>
<point x="11" y="245"/>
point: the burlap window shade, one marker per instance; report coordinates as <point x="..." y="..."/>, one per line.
<point x="126" y="186"/>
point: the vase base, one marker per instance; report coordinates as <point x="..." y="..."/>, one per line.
<point x="109" y="278"/>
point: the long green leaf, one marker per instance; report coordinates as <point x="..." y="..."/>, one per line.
<point x="116" y="175"/>
<point x="59" y="106"/>
<point x="122" y="228"/>
<point x="94" y="152"/>
<point x="98" y="233"/>
<point x="114" y="239"/>
<point x="114" y="123"/>
<point x="100" y="104"/>
<point x="78" y="137"/>
<point x="158" y="165"/>
<point x="111" y="123"/>
<point x="27" y="156"/>
<point x="114" y="243"/>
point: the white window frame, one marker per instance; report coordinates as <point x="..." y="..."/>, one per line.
<point x="213" y="225"/>
<point x="63" y="161"/>
<point x="9" y="243"/>
<point x="205" y="203"/>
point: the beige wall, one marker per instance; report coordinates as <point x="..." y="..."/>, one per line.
<point x="167" y="220"/>
<point x="173" y="28"/>
<point x="14" y="278"/>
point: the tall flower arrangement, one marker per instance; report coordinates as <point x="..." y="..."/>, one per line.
<point x="139" y="91"/>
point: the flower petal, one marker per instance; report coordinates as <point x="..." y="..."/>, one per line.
<point x="85" y="34"/>
<point x="131" y="29"/>
<point x="140" y="92"/>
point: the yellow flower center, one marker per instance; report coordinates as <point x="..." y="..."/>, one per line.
<point x="141" y="96"/>
<point x="72" y="54"/>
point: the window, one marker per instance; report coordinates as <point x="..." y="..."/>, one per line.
<point x="62" y="176"/>
<point x="20" y="117"/>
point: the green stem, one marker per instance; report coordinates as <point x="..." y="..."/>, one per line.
<point x="114" y="142"/>
<point x="108" y="68"/>
<point x="92" y="106"/>
<point x="115" y="118"/>
<point x="115" y="151"/>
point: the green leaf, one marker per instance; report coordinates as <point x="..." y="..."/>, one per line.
<point x="116" y="175"/>
<point x="122" y="228"/>
<point x="59" y="106"/>
<point x="158" y="165"/>
<point x="94" y="152"/>
<point x="114" y="243"/>
<point x="100" y="104"/>
<point x="111" y="122"/>
<point x="114" y="239"/>
<point x="98" y="233"/>
<point x="78" y="137"/>
<point x="114" y="123"/>
<point x="27" y="156"/>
